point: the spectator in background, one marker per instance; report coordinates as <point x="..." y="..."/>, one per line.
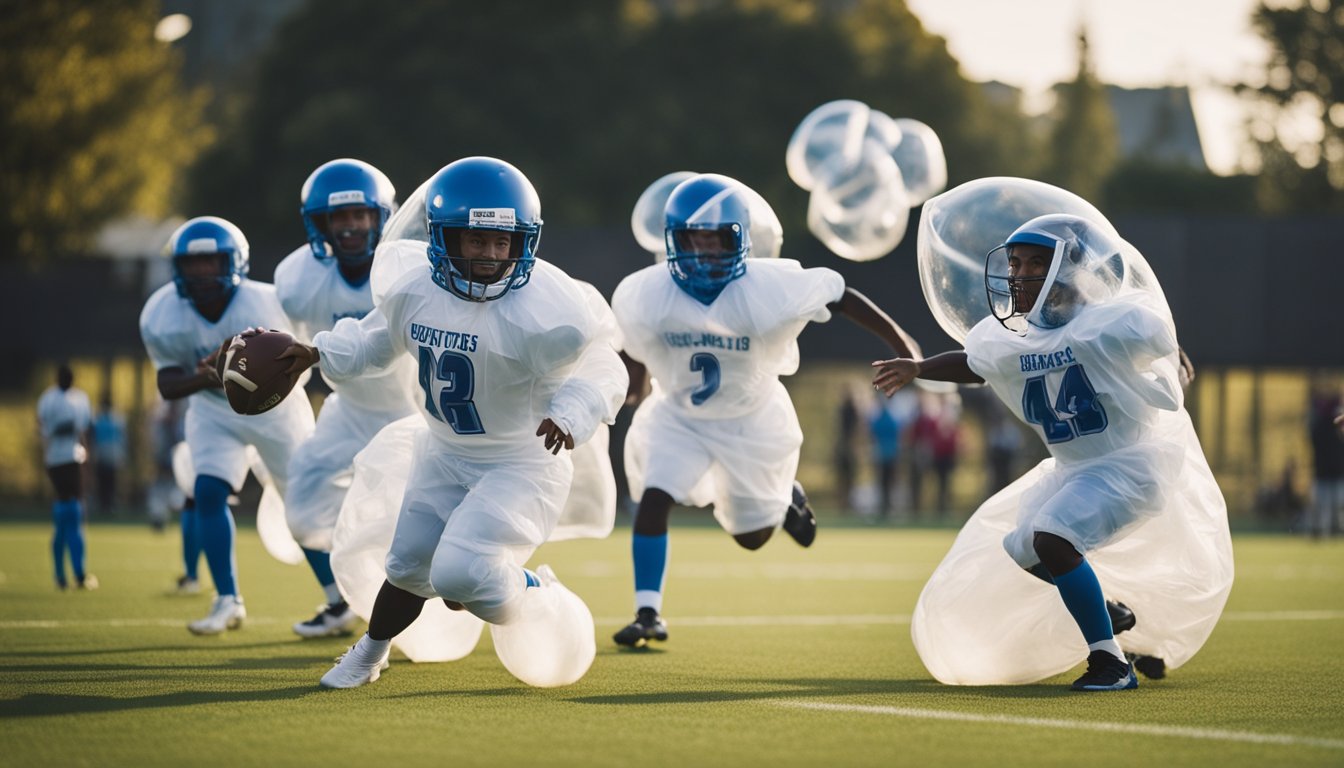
<point x="886" y="422"/>
<point x="1280" y="506"/>
<point x="1003" y="442"/>
<point x="109" y="453"/>
<point x="63" y="419"/>
<point x="1327" y="449"/>
<point x="935" y="441"/>
<point x="846" y="449"/>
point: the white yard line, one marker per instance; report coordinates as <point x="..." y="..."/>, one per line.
<point x="1185" y="732"/>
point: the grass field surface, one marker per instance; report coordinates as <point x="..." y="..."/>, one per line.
<point x="781" y="657"/>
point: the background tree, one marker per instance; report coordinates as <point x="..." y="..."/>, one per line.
<point x="93" y="123"/>
<point x="1083" y="146"/>
<point x="1304" y="81"/>
<point x="593" y="98"/>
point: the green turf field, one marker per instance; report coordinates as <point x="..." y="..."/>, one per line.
<point x="779" y="657"/>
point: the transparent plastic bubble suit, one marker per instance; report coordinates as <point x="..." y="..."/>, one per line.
<point x="363" y="537"/>
<point x="859" y="210"/>
<point x="402" y="246"/>
<point x="767" y="235"/>
<point x="921" y="160"/>
<point x="836" y="129"/>
<point x="960" y="227"/>
<point x="552" y="642"/>
<point x="646" y="221"/>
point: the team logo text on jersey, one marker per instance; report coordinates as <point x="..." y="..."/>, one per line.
<point x="707" y="340"/>
<point x="1046" y="362"/>
<point x="437" y="337"/>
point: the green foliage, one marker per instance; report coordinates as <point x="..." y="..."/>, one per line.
<point x="1083" y="146"/>
<point x="594" y="99"/>
<point x="1149" y="187"/>
<point x="93" y="123"/>
<point x="1304" y="80"/>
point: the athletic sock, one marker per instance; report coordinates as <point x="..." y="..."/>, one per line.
<point x="533" y="580"/>
<point x="1082" y="595"/>
<point x="191" y="540"/>
<point x="217" y="532"/>
<point x="74" y="537"/>
<point x="650" y="559"/>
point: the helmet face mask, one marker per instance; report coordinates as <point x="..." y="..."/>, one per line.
<point x="210" y="260"/>
<point x="1049" y="269"/>
<point x="468" y="205"/>
<point x="344" y="204"/>
<point x="707" y="232"/>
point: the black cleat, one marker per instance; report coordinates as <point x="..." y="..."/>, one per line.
<point x="1106" y="673"/>
<point x="648" y="625"/>
<point x="1122" y="618"/>
<point x="799" y="522"/>
<point x="1150" y="667"/>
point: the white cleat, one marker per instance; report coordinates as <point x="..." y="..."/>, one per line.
<point x="330" y="621"/>
<point x="187" y="586"/>
<point x="357" y="666"/>
<point x="226" y="612"/>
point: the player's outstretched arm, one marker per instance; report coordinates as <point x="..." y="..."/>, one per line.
<point x="891" y="375"/>
<point x="866" y="314"/>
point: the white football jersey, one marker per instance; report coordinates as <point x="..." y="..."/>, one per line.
<point x="718" y="361"/>
<point x="63" y="415"/>
<point x="316" y="296"/>
<point x="176" y="335"/>
<point x="489" y="372"/>
<point x="1089" y="387"/>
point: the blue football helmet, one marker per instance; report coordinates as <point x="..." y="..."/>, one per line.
<point x="202" y="241"/>
<point x="345" y="183"/>
<point x="481" y="193"/>
<point x="707" y="229"/>
<point x="1086" y="267"/>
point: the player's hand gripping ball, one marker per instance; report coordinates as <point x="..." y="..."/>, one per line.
<point x="255" y="377"/>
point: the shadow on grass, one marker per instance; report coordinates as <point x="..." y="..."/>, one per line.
<point x="911" y="691"/>
<point x="49" y="704"/>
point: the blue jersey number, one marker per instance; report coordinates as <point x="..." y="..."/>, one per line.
<point x="1076" y="411"/>
<point x="458" y="377"/>
<point x="708" y="366"/>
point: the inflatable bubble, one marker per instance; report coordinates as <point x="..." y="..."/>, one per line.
<point x="552" y="642"/>
<point x="837" y="129"/>
<point x="646" y="221"/>
<point x="921" y="160"/>
<point x="859" y="210"/>
<point x="959" y="228"/>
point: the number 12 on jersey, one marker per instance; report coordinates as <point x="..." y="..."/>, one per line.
<point x="1076" y="411"/>
<point x="454" y="405"/>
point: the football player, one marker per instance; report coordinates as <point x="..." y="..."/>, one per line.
<point x="716" y="330"/>
<point x="183" y="326"/>
<point x="345" y="204"/>
<point x="509" y="349"/>
<point x="1091" y="363"/>
<point x="63" y="419"/>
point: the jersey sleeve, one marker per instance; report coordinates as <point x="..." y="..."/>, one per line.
<point x="161" y="353"/>
<point x="355" y="346"/>
<point x="595" y="387"/>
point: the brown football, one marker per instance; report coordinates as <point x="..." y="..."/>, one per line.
<point x="254" y="380"/>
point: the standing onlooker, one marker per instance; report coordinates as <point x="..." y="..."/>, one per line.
<point x="846" y="438"/>
<point x="63" y="417"/>
<point x="885" y="426"/>
<point x="1327" y="449"/>
<point x="1003" y="442"/>
<point x="109" y="453"/>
